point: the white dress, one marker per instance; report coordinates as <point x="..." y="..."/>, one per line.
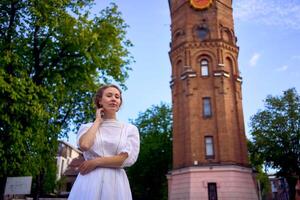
<point x="107" y="183"/>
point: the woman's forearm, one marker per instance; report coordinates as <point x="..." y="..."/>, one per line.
<point x="111" y="161"/>
<point x="104" y="162"/>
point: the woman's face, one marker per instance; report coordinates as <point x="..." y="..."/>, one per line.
<point x="111" y="99"/>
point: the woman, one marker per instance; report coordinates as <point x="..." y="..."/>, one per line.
<point x="108" y="145"/>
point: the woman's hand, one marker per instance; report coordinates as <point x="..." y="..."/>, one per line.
<point x="99" y="114"/>
<point x="87" y="166"/>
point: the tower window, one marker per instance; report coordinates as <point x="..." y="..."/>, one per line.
<point x="212" y="191"/>
<point x="207" y="107"/>
<point x="202" y="33"/>
<point x="204" y="67"/>
<point x="209" y="147"/>
<point x="227" y="36"/>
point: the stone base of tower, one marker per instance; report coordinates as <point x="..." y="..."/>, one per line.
<point x="232" y="183"/>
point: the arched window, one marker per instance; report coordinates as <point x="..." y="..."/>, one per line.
<point x="229" y="66"/>
<point x="178" y="33"/>
<point x="227" y="36"/>
<point x="204" y="67"/>
<point x="202" y="33"/>
<point x="178" y="68"/>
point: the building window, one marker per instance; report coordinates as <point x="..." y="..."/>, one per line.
<point x="212" y="191"/>
<point x="204" y="67"/>
<point x="229" y="65"/>
<point x="178" y="69"/>
<point x="227" y="36"/>
<point x="62" y="167"/>
<point x="209" y="147"/>
<point x="207" y="107"/>
<point x="202" y="33"/>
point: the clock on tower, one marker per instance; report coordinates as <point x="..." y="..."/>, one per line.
<point x="200" y="4"/>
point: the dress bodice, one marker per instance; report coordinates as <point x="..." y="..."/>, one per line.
<point x="108" y="140"/>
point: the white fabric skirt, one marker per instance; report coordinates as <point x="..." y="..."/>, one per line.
<point x="102" y="184"/>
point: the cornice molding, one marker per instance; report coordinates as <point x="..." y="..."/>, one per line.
<point x="206" y="44"/>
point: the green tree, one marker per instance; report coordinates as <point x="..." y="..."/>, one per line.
<point x="276" y="135"/>
<point x="53" y="56"/>
<point x="261" y="176"/>
<point x="148" y="175"/>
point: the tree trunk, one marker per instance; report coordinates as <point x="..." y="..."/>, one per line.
<point x="292" y="181"/>
<point x="2" y="187"/>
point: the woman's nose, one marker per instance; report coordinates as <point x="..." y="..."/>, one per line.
<point x="113" y="98"/>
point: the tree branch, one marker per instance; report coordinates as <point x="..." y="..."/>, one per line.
<point x="8" y="39"/>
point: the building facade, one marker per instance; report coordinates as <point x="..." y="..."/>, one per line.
<point x="279" y="188"/>
<point x="209" y="145"/>
<point x="66" y="153"/>
<point x="68" y="159"/>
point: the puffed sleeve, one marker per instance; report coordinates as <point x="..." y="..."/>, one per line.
<point x="83" y="129"/>
<point x="132" y="146"/>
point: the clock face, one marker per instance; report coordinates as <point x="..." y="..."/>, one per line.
<point x="200" y="4"/>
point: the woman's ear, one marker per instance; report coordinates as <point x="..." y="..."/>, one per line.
<point x="99" y="104"/>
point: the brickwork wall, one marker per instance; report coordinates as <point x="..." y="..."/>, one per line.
<point x="223" y="85"/>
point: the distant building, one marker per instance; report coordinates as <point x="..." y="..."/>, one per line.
<point x="68" y="159"/>
<point x="280" y="188"/>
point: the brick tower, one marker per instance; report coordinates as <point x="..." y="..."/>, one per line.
<point x="209" y="144"/>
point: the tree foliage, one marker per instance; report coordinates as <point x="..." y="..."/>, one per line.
<point x="261" y="175"/>
<point x="276" y="135"/>
<point x="148" y="175"/>
<point x="53" y="56"/>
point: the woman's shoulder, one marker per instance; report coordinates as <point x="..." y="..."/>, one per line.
<point x="83" y="128"/>
<point x="85" y="125"/>
<point x="126" y="124"/>
<point x="130" y="126"/>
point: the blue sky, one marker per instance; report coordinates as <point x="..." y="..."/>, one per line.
<point x="268" y="33"/>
